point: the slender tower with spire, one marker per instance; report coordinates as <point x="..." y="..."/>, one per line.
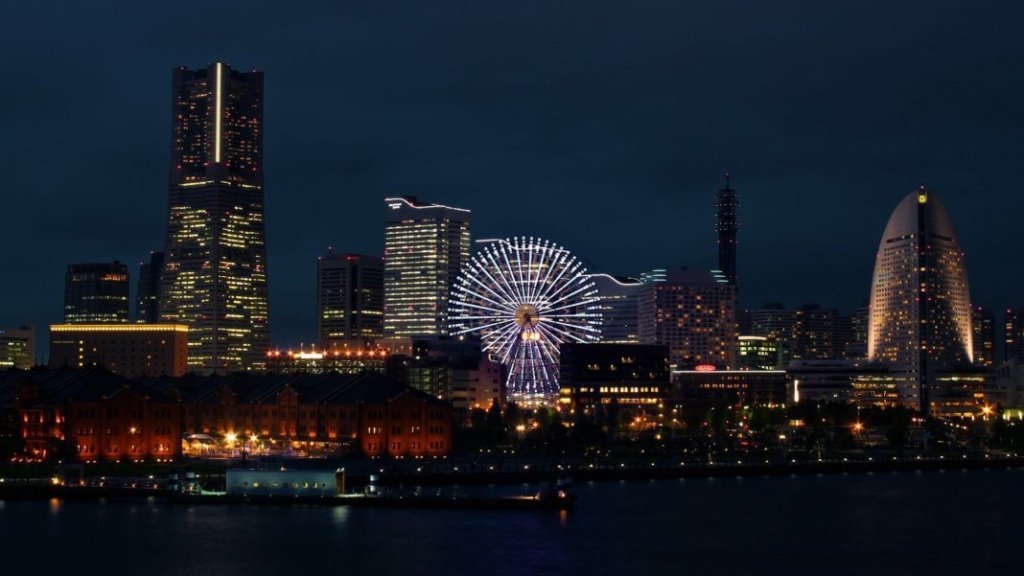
<point x="727" y="204"/>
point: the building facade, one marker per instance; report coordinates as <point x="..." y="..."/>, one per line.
<point x="147" y="292"/>
<point x="757" y="353"/>
<point x="96" y="292"/>
<point x="699" y="390"/>
<point x="215" y="273"/>
<point x="983" y="327"/>
<point x="593" y="376"/>
<point x="1013" y="333"/>
<point x="349" y="297"/>
<point x="425" y="247"/>
<point x="92" y="415"/>
<point x="619" y="300"/>
<point x="920" y="314"/>
<point x="694" y="314"/>
<point x="130" y="351"/>
<point x="17" y="347"/>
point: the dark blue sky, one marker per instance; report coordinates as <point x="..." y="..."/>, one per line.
<point x="604" y="126"/>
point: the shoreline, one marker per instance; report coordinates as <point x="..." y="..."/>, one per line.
<point x="45" y="489"/>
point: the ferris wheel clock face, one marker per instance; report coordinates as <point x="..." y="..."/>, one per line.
<point x="524" y="297"/>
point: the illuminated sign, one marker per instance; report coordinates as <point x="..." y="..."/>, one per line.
<point x="705" y="368"/>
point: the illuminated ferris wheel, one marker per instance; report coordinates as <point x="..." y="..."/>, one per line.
<point x="524" y="297"/>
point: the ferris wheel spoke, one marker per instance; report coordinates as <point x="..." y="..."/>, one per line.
<point x="502" y="311"/>
<point x="576" y="315"/>
<point x="566" y="263"/>
<point x="553" y="304"/>
<point x="570" y="333"/>
<point x="501" y="285"/>
<point x="545" y="284"/>
<point x="510" y="299"/>
<point x="510" y="345"/>
<point x="571" y="305"/>
<point x="500" y="305"/>
<point x="511" y="275"/>
<point x="575" y="326"/>
<point x="519" y="266"/>
<point x="472" y="329"/>
<point x="559" y="292"/>
<point x="549" y="334"/>
<point x="499" y="337"/>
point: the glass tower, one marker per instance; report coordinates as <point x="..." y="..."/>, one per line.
<point x="920" y="313"/>
<point x="96" y="293"/>
<point x="425" y="246"/>
<point x="349" y="297"/>
<point x="215" y="272"/>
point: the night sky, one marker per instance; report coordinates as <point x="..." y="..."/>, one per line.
<point x="603" y="126"/>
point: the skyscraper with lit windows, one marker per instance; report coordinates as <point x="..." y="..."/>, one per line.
<point x="425" y="246"/>
<point x="215" y="273"/>
<point x="349" y="297"/>
<point x="920" y="312"/>
<point x="693" y="314"/>
<point x="96" y="292"/>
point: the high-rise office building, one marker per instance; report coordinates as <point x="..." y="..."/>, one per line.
<point x="983" y="326"/>
<point x="349" y="297"/>
<point x="1013" y="333"/>
<point x="694" y="315"/>
<point x="619" y="298"/>
<point x="920" y="316"/>
<point x="727" y="204"/>
<point x="425" y="246"/>
<point x="147" y="293"/>
<point x="96" y="292"/>
<point x="17" y="347"/>
<point x="215" y="273"/>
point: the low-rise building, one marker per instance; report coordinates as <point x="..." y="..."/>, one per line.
<point x="705" y="386"/>
<point x="859" y="381"/>
<point x="130" y="350"/>
<point x="592" y="376"/>
<point x="94" y="414"/>
<point x="17" y="347"/>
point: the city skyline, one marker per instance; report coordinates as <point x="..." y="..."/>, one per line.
<point x="359" y="160"/>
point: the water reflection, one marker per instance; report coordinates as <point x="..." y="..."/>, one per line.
<point x="339" y="514"/>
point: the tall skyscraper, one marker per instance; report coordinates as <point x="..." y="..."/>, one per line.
<point x="425" y="246"/>
<point x="983" y="326"/>
<point x="1013" y="333"/>
<point x="349" y="297"/>
<point x="215" y="274"/>
<point x="619" y="298"/>
<point x="694" y="315"/>
<point x="920" y="316"/>
<point x="727" y="204"/>
<point x="147" y="293"/>
<point x="96" y="292"/>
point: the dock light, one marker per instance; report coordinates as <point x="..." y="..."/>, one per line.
<point x="230" y="437"/>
